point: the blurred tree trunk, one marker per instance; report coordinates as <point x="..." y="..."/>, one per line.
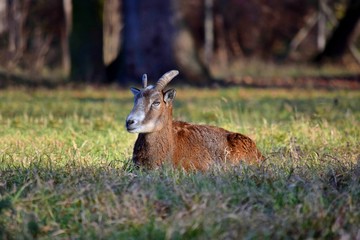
<point x="209" y="31"/>
<point x="86" y="41"/>
<point x="321" y="34"/>
<point x="153" y="38"/>
<point x="339" y="40"/>
<point x="112" y="29"/>
<point x="3" y="13"/>
<point x="64" y="36"/>
<point x="17" y="15"/>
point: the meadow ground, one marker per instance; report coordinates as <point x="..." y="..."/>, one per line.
<point x="65" y="172"/>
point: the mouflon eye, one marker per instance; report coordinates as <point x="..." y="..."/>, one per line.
<point x="156" y="103"/>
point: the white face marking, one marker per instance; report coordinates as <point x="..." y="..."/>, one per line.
<point x="144" y="128"/>
<point x="137" y="115"/>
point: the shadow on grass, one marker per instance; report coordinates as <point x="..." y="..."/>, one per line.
<point x="16" y="80"/>
<point x="8" y="79"/>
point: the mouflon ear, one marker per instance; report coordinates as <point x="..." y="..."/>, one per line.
<point x="135" y="91"/>
<point x="169" y="95"/>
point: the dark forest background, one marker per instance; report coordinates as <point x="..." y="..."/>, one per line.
<point x="116" y="41"/>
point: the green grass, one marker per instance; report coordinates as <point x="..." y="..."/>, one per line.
<point x="65" y="172"/>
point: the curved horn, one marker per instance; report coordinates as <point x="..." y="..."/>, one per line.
<point x="144" y="80"/>
<point x="165" y="79"/>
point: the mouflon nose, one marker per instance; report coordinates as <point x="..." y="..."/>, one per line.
<point x="130" y="122"/>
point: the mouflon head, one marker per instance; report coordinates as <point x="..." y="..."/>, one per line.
<point x="152" y="105"/>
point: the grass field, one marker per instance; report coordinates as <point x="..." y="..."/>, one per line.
<point x="65" y="172"/>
